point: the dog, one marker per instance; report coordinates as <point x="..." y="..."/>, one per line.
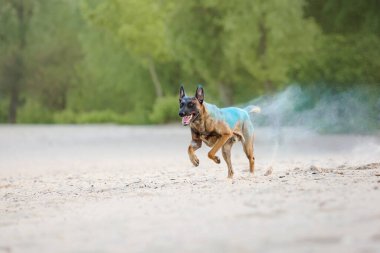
<point x="217" y="128"/>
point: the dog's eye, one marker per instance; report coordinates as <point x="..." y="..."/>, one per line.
<point x="182" y="104"/>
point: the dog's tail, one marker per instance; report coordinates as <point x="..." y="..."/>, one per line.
<point x="252" y="109"/>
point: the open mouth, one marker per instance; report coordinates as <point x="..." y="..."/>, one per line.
<point x="187" y="119"/>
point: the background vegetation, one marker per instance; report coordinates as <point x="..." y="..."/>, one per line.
<point x="122" y="61"/>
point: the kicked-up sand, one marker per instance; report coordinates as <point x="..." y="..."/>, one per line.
<point x="133" y="189"/>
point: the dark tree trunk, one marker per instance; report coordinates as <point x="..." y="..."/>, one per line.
<point x="262" y="47"/>
<point x="268" y="86"/>
<point x="155" y="80"/>
<point x="23" y="13"/>
<point x="13" y="104"/>
<point x="262" y="50"/>
<point x="226" y="94"/>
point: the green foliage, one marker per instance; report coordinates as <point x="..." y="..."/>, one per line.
<point x="108" y="78"/>
<point x="251" y="44"/>
<point x="345" y="16"/>
<point x="342" y="61"/>
<point x="106" y="116"/>
<point x="53" y="52"/>
<point x="33" y="112"/>
<point x="165" y="110"/>
<point x="122" y="61"/>
<point x="3" y="109"/>
<point x="139" y="25"/>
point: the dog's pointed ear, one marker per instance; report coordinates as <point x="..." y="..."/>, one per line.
<point x="181" y="93"/>
<point x="199" y="94"/>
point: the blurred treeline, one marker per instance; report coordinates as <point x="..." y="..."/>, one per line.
<point x="71" y="61"/>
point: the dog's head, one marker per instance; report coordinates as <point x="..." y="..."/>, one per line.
<point x="190" y="107"/>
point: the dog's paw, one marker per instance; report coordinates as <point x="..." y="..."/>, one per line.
<point x="194" y="160"/>
<point x="216" y="159"/>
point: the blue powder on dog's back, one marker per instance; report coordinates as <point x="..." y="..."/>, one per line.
<point x="230" y="115"/>
<point x="233" y="116"/>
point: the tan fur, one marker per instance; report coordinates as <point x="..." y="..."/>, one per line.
<point x="217" y="135"/>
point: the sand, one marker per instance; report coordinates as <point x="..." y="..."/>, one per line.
<point x="132" y="189"/>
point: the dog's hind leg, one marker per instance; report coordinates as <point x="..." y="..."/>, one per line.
<point x="248" y="149"/>
<point x="248" y="146"/>
<point x="226" y="151"/>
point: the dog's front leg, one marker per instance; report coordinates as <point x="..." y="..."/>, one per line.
<point x="219" y="143"/>
<point x="195" y="144"/>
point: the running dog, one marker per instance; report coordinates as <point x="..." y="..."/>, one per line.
<point x="217" y="128"/>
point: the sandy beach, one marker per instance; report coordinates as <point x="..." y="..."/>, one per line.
<point x="106" y="188"/>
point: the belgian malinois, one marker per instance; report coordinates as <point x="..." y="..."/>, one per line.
<point x="217" y="128"/>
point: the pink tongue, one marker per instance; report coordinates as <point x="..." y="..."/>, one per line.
<point x="186" y="120"/>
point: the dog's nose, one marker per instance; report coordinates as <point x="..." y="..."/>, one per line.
<point x="181" y="114"/>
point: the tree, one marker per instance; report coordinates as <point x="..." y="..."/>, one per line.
<point x="39" y="52"/>
<point x="140" y="26"/>
<point x="254" y="42"/>
<point x="345" y="16"/>
<point x="109" y="77"/>
<point x="349" y="51"/>
<point x="14" y="21"/>
<point x="54" y="52"/>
